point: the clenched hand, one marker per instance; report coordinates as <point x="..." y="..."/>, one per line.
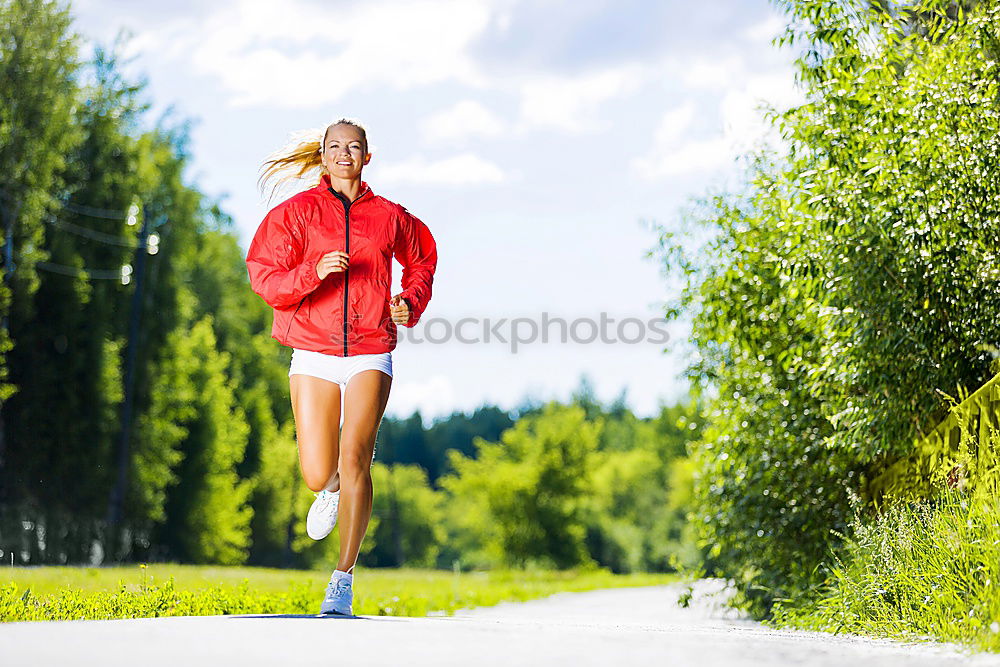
<point x="399" y="310"/>
<point x="331" y="262"/>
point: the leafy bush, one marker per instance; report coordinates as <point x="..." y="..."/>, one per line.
<point x="854" y="275"/>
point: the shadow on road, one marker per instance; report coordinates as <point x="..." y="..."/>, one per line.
<point x="319" y="617"/>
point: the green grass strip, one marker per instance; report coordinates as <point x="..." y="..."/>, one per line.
<point x="61" y="593"/>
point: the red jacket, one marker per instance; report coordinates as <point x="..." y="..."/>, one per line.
<point x="347" y="312"/>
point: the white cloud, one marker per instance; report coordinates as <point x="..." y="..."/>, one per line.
<point x="298" y="54"/>
<point x="295" y="54"/>
<point x="766" y="29"/>
<point x="718" y="72"/>
<point x="689" y="157"/>
<point x="675" y="123"/>
<point x="742" y="115"/>
<point x="465" y="169"/>
<point x="570" y="103"/>
<point x="672" y="155"/>
<point x="741" y="125"/>
<point x="466" y="119"/>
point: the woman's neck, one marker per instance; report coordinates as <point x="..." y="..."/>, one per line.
<point x="350" y="188"/>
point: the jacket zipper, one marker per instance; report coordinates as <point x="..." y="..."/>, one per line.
<point x="347" y="249"/>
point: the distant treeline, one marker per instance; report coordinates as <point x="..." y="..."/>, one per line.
<point x="127" y="312"/>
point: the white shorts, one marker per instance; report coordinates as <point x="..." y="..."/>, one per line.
<point x="337" y="369"/>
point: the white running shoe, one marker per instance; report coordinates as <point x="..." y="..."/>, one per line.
<point x="339" y="597"/>
<point x="323" y="514"/>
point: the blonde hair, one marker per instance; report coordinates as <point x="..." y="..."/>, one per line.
<point x="301" y="157"/>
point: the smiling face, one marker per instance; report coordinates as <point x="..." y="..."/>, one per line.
<point x="345" y="151"/>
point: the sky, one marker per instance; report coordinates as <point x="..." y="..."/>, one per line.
<point x="542" y="142"/>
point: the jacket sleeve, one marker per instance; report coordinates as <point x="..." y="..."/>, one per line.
<point x="416" y="250"/>
<point x="275" y="262"/>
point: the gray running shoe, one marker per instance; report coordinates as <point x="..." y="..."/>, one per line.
<point x="339" y="598"/>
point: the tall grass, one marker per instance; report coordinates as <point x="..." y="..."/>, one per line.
<point x="923" y="570"/>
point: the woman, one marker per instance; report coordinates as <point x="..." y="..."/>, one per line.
<point x="323" y="259"/>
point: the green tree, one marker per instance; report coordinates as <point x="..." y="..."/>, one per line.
<point x="521" y="500"/>
<point x="850" y="280"/>
<point x="38" y="65"/>
<point x="207" y="515"/>
<point x="411" y="527"/>
<point x="636" y="515"/>
<point x="276" y="482"/>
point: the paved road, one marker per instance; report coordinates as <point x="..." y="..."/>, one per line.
<point x="627" y="626"/>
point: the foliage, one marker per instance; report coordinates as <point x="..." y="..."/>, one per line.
<point x="926" y="566"/>
<point x="636" y="508"/>
<point x="853" y="276"/>
<point x="37" y="70"/>
<point x="523" y="497"/>
<point x="207" y="516"/>
<point x="410" y="529"/>
<point x="926" y="569"/>
<point x="408" y="441"/>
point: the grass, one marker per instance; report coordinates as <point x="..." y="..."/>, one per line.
<point x="67" y="593"/>
<point x="927" y="570"/>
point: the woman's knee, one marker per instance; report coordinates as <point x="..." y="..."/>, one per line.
<point x="318" y="476"/>
<point x="315" y="480"/>
<point x="354" y="467"/>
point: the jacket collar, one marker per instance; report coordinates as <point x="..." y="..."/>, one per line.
<point x="325" y="185"/>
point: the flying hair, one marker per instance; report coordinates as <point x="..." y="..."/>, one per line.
<point x="301" y="158"/>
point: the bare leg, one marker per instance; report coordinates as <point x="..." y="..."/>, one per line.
<point x="316" y="408"/>
<point x="364" y="402"/>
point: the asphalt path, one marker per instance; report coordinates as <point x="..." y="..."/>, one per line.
<point x="622" y="626"/>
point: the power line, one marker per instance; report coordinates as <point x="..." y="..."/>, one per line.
<point x="93" y="211"/>
<point x="93" y="274"/>
<point x="82" y="209"/>
<point x="150" y="242"/>
<point x="103" y="237"/>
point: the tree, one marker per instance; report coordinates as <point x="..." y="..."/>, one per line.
<point x="850" y="280"/>
<point x="207" y="515"/>
<point x="411" y="529"/>
<point x="37" y="69"/>
<point x="521" y="499"/>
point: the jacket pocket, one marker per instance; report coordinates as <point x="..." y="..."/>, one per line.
<point x="291" y="317"/>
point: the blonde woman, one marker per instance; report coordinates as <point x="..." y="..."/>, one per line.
<point x="322" y="260"/>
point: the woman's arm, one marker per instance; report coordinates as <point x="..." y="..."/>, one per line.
<point x="275" y="261"/>
<point x="417" y="252"/>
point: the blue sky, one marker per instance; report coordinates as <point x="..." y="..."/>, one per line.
<point x="533" y="138"/>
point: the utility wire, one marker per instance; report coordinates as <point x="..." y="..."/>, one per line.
<point x="103" y="237"/>
<point x="93" y="211"/>
<point x="98" y="274"/>
<point x="82" y="209"/>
